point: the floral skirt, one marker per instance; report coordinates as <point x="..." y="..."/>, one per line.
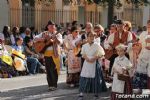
<point x="73" y="78"/>
<point x="93" y="85"/>
<point x="140" y="81"/>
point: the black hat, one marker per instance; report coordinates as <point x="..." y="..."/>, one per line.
<point x="119" y="22"/>
<point x="50" y="23"/>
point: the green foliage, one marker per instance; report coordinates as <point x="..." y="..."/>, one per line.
<point x="117" y="3"/>
<point x="90" y="1"/>
<point x="31" y="2"/>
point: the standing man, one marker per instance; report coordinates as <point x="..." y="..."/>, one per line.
<point x="114" y="39"/>
<point x="51" y="54"/>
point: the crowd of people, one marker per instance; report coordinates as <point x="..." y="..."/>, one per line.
<point x="91" y="54"/>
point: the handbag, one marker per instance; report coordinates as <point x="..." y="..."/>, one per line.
<point x="123" y="77"/>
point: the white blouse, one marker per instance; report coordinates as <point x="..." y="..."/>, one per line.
<point x="97" y="40"/>
<point x="110" y="40"/>
<point x="58" y="36"/>
<point x="143" y="65"/>
<point x="142" y="37"/>
<point x="88" y="69"/>
<point x="120" y="62"/>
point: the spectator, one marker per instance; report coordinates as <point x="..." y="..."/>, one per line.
<point x="27" y="35"/>
<point x="32" y="55"/>
<point x="113" y="29"/>
<point x="33" y="33"/>
<point x="7" y="36"/>
<point x="22" y="32"/>
<point x="15" y="34"/>
<point x="31" y="62"/>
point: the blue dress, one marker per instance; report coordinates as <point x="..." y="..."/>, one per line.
<point x="93" y="85"/>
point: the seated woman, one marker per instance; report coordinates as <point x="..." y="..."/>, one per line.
<point x="31" y="54"/>
<point x="32" y="61"/>
<point x="6" y="69"/>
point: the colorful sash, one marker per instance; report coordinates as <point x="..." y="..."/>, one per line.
<point x="56" y="59"/>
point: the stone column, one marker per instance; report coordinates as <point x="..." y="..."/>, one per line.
<point x="48" y="12"/>
<point x="66" y="15"/>
<point x="20" y="12"/>
<point x="15" y="14"/>
<point x="103" y="18"/>
<point x="146" y="14"/>
<point x="59" y="11"/>
<point x="4" y="16"/>
<point x="38" y="7"/>
<point x="90" y="13"/>
<point x="73" y="12"/>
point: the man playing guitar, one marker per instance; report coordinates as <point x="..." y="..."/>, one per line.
<point x="52" y="39"/>
<point x="114" y="39"/>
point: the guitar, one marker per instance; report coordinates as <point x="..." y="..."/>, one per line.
<point x="41" y="46"/>
<point x="109" y="53"/>
<point x="77" y="49"/>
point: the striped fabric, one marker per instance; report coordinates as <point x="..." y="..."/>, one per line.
<point x="93" y="85"/>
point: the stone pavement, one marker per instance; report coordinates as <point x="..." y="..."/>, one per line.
<point x="35" y="88"/>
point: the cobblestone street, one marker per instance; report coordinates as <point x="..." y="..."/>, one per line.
<point x="35" y="88"/>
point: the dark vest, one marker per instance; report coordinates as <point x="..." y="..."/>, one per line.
<point x="123" y="40"/>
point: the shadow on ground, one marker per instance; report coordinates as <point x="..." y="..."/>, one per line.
<point x="42" y="93"/>
<point x="103" y="96"/>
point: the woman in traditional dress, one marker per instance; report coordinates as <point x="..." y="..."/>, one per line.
<point x="74" y="62"/>
<point x="136" y="46"/>
<point x="122" y="65"/>
<point x="91" y="77"/>
<point x="141" y="79"/>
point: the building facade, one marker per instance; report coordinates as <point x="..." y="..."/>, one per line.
<point x="36" y="13"/>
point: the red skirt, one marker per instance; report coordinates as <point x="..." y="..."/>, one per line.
<point x="127" y="90"/>
<point x="128" y="87"/>
<point x="114" y="96"/>
<point x="148" y="83"/>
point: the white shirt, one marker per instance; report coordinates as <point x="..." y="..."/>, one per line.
<point x="70" y="43"/>
<point x="120" y="62"/>
<point x="97" y="40"/>
<point x="58" y="36"/>
<point x="12" y="39"/>
<point x="88" y="69"/>
<point x="143" y="65"/>
<point x="111" y="40"/>
<point x="144" y="35"/>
